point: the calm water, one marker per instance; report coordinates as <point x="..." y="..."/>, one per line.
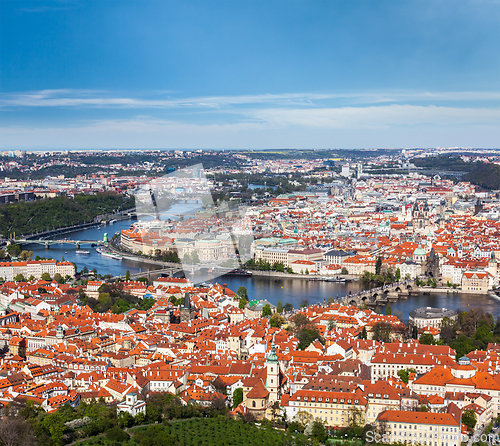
<point x="287" y="290"/>
<point x="294" y="290"/>
<point x="104" y="265"/>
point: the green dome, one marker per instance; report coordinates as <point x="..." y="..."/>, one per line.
<point x="419" y="252"/>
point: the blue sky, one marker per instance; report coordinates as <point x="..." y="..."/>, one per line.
<point x="249" y="74"/>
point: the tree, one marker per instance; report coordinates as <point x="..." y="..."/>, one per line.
<point x="279" y="307"/>
<point x="195" y="258"/>
<point x="355" y="417"/>
<point x="14" y="250"/>
<point x="300" y="320"/>
<point x="242" y="304"/>
<point x="363" y="334"/>
<point x="344" y="270"/>
<point x="469" y="418"/>
<point x="398" y="275"/>
<point x="26" y="255"/>
<point x="306" y="271"/>
<point x="127" y="275"/>
<point x="306" y="337"/>
<point x="242" y="292"/>
<point x="330" y="300"/>
<point x="388" y="309"/>
<point x="404" y="374"/>
<point x="266" y="310"/>
<point x="303" y="418"/>
<point x="304" y="303"/>
<point x="46" y="277"/>
<point x="15" y="431"/>
<point x="117" y="434"/>
<point x="277" y="320"/>
<point x="19" y="278"/>
<point x="382" y="331"/>
<point x="288" y="307"/>
<point x="316" y="430"/>
<point x="58" y="278"/>
<point x="378" y="265"/>
<point x="237" y="397"/>
<point x="427" y="339"/>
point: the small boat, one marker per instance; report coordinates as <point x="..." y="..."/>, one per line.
<point x="65" y="252"/>
<point x="82" y="251"/>
<point x="426" y="293"/>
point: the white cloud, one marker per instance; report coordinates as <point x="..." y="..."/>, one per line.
<point x="378" y="116"/>
<point x="101" y="99"/>
<point x="373" y="126"/>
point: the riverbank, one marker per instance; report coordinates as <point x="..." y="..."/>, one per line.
<point x="276" y="274"/>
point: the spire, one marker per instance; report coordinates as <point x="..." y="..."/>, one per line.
<point x="273" y="357"/>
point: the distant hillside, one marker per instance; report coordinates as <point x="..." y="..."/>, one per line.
<point x="41" y="215"/>
<point x="485" y="175"/>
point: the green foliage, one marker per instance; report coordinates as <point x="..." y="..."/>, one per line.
<point x="288" y="307"/>
<point x="237" y="397"/>
<point x="127" y="275"/>
<point x="112" y="297"/>
<point x="376" y="279"/>
<point x="404" y="374"/>
<point x="212" y="431"/>
<point x="382" y="331"/>
<point x="279" y="307"/>
<point x="171" y="257"/>
<point x="427" y="339"/>
<point x="485" y="175"/>
<point x="388" y="309"/>
<point x="307" y="336"/>
<point x="13" y="250"/>
<point x="277" y="320"/>
<point x="469" y="418"/>
<point x="378" y="265"/>
<point x="47" y="213"/>
<point x="363" y="334"/>
<point x="266" y="310"/>
<point x="19" y="278"/>
<point x="242" y="292"/>
<point x="117" y="434"/>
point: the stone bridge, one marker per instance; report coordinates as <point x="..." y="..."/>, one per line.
<point x="381" y="295"/>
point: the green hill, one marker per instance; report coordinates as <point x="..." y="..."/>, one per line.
<point x="41" y="215"/>
<point x="485" y="175"/>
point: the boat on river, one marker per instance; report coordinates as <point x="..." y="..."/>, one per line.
<point x="110" y="255"/>
<point x="82" y="251"/>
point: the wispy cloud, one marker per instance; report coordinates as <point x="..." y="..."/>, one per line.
<point x="373" y="126"/>
<point x="101" y="99"/>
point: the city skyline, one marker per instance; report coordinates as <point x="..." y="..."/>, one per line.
<point x="248" y="75"/>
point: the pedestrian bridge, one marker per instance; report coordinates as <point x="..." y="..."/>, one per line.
<point x="381" y="295"/>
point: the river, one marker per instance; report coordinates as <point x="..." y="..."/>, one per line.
<point x="289" y="290"/>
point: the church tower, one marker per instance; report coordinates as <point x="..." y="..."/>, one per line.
<point x="493" y="268"/>
<point x="273" y="375"/>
